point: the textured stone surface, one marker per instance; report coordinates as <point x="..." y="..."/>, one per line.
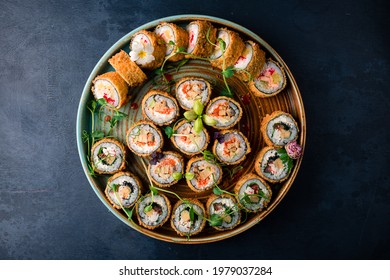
<point x="338" y="206"/>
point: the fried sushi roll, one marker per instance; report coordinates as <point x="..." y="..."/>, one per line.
<point x="279" y="128"/>
<point x="234" y="46"/>
<point x="162" y="172"/>
<point x="270" y="81"/>
<point x="153" y="211"/>
<point x="187" y="140"/>
<point x="175" y="38"/>
<point x="144" y="138"/>
<point x="223" y="210"/>
<point x="225" y="111"/>
<point x="190" y="89"/>
<point x="198" y="45"/>
<point x="108" y="156"/>
<point x="112" y="88"/>
<point x="250" y="62"/>
<point x="270" y="166"/>
<point x="231" y="147"/>
<point x="159" y="107"/>
<point x="123" y="189"/>
<point x="187" y="217"/>
<point x="127" y="69"/>
<point x="253" y="193"/>
<point x="205" y="174"/>
<point x="147" y="49"/>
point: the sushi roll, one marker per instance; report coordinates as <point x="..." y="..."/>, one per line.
<point x="108" y="156"/>
<point x="279" y="128"/>
<point x="153" y="211"/>
<point x="270" y="166"/>
<point x="192" y="144"/>
<point x="162" y="172"/>
<point x="123" y="190"/>
<point x="225" y="111"/>
<point x="250" y="61"/>
<point x="225" y="210"/>
<point x="270" y="81"/>
<point x="190" y="89"/>
<point x="187" y="217"/>
<point x="253" y="193"/>
<point x="112" y="88"/>
<point x="171" y="32"/>
<point x="159" y="107"/>
<point x="144" y="138"/>
<point x="231" y="147"/>
<point x="233" y="49"/>
<point x="127" y="69"/>
<point x="198" y="45"/>
<point x="205" y="174"/>
<point x="147" y="50"/>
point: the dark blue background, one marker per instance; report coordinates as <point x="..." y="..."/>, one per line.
<point x="338" y="207"/>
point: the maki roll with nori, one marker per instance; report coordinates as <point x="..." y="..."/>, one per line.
<point x="153" y="210"/>
<point x="159" y="107"/>
<point x="112" y="88"/>
<point x="144" y="138"/>
<point x="270" y="81"/>
<point x="188" y="217"/>
<point x="279" y="128"/>
<point x="187" y="140"/>
<point x="223" y="211"/>
<point x="204" y="174"/>
<point x="271" y="166"/>
<point x="123" y="189"/>
<point x="108" y="156"/>
<point x="253" y="193"/>
<point x="190" y="89"/>
<point x="199" y="34"/>
<point x="162" y="172"/>
<point x="175" y="38"/>
<point x="231" y="147"/>
<point x="225" y="111"/>
<point x="250" y="62"/>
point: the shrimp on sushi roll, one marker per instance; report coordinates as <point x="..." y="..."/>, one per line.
<point x="187" y="217"/>
<point x="270" y="81"/>
<point x="190" y="89"/>
<point x="153" y="211"/>
<point x="112" y="88"/>
<point x="225" y="111"/>
<point x="123" y="189"/>
<point x="198" y="45"/>
<point x="174" y="37"/>
<point x="234" y="46"/>
<point x="144" y="138"/>
<point x="250" y="62"/>
<point x="205" y="174"/>
<point x="159" y="107"/>
<point x="147" y="49"/>
<point x="224" y="210"/>
<point x="108" y="156"/>
<point x="162" y="172"/>
<point x="279" y="128"/>
<point x="231" y="147"/>
<point x="270" y="166"/>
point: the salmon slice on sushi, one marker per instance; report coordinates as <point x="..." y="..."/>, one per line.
<point x="112" y="88"/>
<point x="190" y="89"/>
<point x="144" y="138"/>
<point x="175" y="38"/>
<point x="159" y="107"/>
<point x="205" y="174"/>
<point x="108" y="156"/>
<point x="250" y="62"/>
<point x="198" y="44"/>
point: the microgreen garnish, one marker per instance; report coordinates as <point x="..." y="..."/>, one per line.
<point x="189" y="176"/>
<point x="169" y="131"/>
<point x="285" y="158"/>
<point x="196" y="114"/>
<point x="177" y="175"/>
<point x="148" y="208"/>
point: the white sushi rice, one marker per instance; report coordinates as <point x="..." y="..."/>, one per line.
<point x="195" y="141"/>
<point x="263" y="86"/>
<point x="276" y="135"/>
<point x="109" y="149"/>
<point x="224" y="35"/>
<point x="227" y="203"/>
<point x="204" y="164"/>
<point x="167" y="34"/>
<point x="223" y="121"/>
<point x="245" y="189"/>
<point x="193" y="31"/>
<point x="154" y="219"/>
<point x="199" y="90"/>
<point x="158" y="117"/>
<point x="185" y="226"/>
<point x="245" y="58"/>
<point x="279" y="173"/>
<point x="120" y="182"/>
<point x="144" y="149"/>
<point x="241" y="150"/>
<point x="105" y="89"/>
<point x="165" y="178"/>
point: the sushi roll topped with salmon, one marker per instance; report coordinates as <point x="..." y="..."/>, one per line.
<point x="279" y="128"/>
<point x="225" y="111"/>
<point x="175" y="38"/>
<point x="108" y="156"/>
<point x="224" y="211"/>
<point x="153" y="210"/>
<point x="199" y="34"/>
<point x="204" y="174"/>
<point x="270" y="165"/>
<point x="123" y="189"/>
<point x="190" y="89"/>
<point x="231" y="147"/>
<point x="187" y="217"/>
<point x="162" y="172"/>
<point x="159" y="107"/>
<point x="144" y="138"/>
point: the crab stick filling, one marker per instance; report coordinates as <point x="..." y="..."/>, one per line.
<point x="105" y="89"/>
<point x="222" y="112"/>
<point x="203" y="174"/>
<point x="232" y="147"/>
<point x="166" y="167"/>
